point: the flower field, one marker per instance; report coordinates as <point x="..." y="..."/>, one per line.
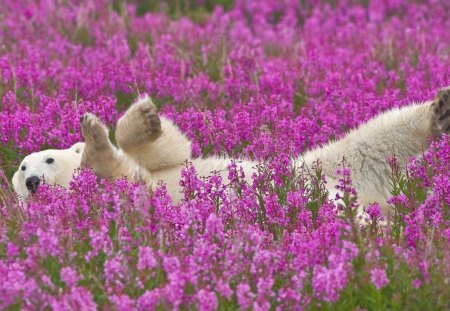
<point x="265" y="80"/>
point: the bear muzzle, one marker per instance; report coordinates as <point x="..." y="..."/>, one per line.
<point x="32" y="183"/>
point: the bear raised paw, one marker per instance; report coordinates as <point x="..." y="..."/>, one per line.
<point x="441" y="110"/>
<point x="99" y="152"/>
<point x="152" y="148"/>
<point x="141" y="124"/>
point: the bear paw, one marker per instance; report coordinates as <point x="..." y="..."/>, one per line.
<point x="441" y="112"/>
<point x="149" y="120"/>
<point x="140" y="124"/>
<point x="98" y="151"/>
<point x="94" y="131"/>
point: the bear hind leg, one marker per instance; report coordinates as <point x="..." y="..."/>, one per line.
<point x="140" y="125"/>
<point x="441" y="112"/>
<point x="154" y="143"/>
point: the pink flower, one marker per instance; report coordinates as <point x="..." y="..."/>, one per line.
<point x="147" y="258"/>
<point x="374" y="211"/>
<point x="244" y="295"/>
<point x="328" y="283"/>
<point x="249" y="81"/>
<point x="12" y="250"/>
<point x="207" y="300"/>
<point x="416" y="283"/>
<point x="122" y="302"/>
<point x="77" y="298"/>
<point x="69" y="276"/>
<point x="149" y="300"/>
<point x="224" y="289"/>
<point x="114" y="269"/>
<point x="378" y="277"/>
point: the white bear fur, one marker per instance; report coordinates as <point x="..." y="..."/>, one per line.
<point x="57" y="173"/>
<point x="153" y="149"/>
<point x="404" y="132"/>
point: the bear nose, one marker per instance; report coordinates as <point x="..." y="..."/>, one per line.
<point x="32" y="183"/>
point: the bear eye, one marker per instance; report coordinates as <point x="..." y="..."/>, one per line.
<point x="23" y="167"/>
<point x="49" y="160"/>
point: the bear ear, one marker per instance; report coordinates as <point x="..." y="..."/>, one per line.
<point x="19" y="188"/>
<point x="78" y="148"/>
<point x="15" y="180"/>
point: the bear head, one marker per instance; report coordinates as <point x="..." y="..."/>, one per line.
<point x="52" y="166"/>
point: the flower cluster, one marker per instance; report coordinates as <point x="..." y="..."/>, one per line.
<point x="265" y="80"/>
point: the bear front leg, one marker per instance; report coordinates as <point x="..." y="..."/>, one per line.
<point x="99" y="153"/>
<point x="440" y="122"/>
<point x="140" y="125"/>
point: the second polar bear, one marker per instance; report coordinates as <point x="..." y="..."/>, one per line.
<point x="152" y="148"/>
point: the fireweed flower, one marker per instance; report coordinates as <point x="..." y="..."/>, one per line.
<point x="149" y="300"/>
<point x="244" y="295"/>
<point x="207" y="300"/>
<point x="69" y="276"/>
<point x="122" y="302"/>
<point x="76" y="298"/>
<point x="327" y="283"/>
<point x="147" y="259"/>
<point x="264" y="80"/>
<point x="374" y="212"/>
<point x="416" y="283"/>
<point x="378" y="277"/>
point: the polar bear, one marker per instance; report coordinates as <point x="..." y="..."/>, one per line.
<point x="54" y="166"/>
<point x="153" y="149"/>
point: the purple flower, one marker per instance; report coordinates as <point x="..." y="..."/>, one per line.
<point x="416" y="283"/>
<point x="264" y="80"/>
<point x="122" y="302"/>
<point x="77" y="298"/>
<point x="327" y="283"/>
<point x="378" y="277"/>
<point x="244" y="295"/>
<point x="114" y="269"/>
<point x="147" y="259"/>
<point x="207" y="300"/>
<point x="374" y="211"/>
<point x="149" y="300"/>
<point x="69" y="276"/>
